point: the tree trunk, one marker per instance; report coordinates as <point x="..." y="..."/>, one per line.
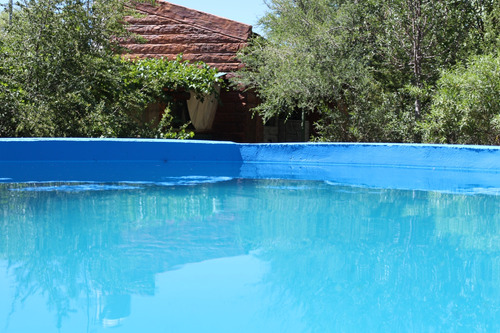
<point x="11" y="5"/>
<point x="415" y="7"/>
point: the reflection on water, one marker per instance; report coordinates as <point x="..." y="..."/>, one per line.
<point x="246" y="256"/>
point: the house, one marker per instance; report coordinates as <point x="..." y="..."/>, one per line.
<point x="168" y="30"/>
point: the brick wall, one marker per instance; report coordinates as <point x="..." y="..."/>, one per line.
<point x="169" y="30"/>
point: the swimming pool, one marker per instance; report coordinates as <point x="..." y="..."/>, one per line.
<point x="162" y="236"/>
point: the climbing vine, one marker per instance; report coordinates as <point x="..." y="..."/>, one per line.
<point x="157" y="80"/>
<point x="154" y="77"/>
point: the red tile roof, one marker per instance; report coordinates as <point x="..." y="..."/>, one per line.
<point x="171" y="29"/>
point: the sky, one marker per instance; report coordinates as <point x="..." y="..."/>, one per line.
<point x="244" y="11"/>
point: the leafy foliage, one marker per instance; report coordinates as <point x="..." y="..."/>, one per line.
<point x="367" y="68"/>
<point x="466" y="107"/>
<point x="60" y="74"/>
<point x="164" y="131"/>
<point x="311" y="60"/>
<point x="155" y="76"/>
<point x="153" y="80"/>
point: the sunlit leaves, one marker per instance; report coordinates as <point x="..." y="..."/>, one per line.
<point x="466" y="106"/>
<point x="61" y="73"/>
<point x="366" y="69"/>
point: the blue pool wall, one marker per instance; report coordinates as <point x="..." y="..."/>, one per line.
<point x="395" y="155"/>
<point x="116" y="150"/>
<point x="378" y="165"/>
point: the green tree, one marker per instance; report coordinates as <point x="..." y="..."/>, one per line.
<point x="4" y="20"/>
<point x="311" y="60"/>
<point x="60" y="63"/>
<point x="417" y="38"/>
<point x="61" y="74"/>
<point x="466" y="107"/>
<point x="7" y="127"/>
<point x="368" y="68"/>
<point x="491" y="26"/>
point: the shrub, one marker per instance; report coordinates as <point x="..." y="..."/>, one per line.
<point x="466" y="106"/>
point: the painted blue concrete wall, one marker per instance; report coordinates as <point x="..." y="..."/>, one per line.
<point x="378" y="154"/>
<point x="395" y="155"/>
<point x="465" y="169"/>
<point x="116" y="150"/>
<point x="456" y="168"/>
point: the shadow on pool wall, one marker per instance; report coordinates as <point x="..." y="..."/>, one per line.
<point x="401" y="166"/>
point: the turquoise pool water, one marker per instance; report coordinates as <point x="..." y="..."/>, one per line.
<point x="223" y="254"/>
